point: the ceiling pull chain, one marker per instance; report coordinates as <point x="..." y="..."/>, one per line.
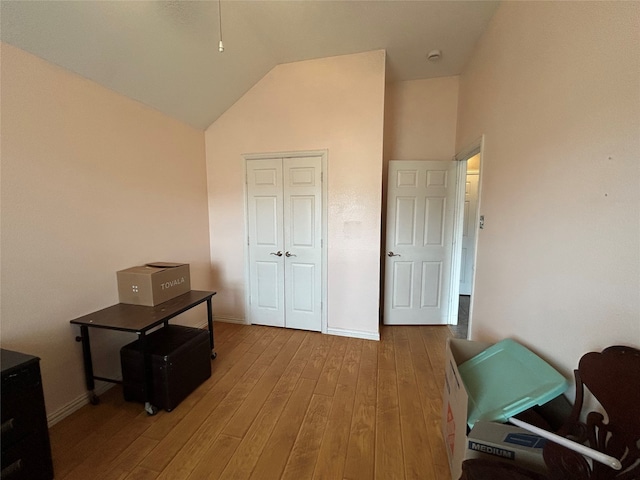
<point x="220" y="45"/>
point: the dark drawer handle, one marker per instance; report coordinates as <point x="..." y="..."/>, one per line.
<point x="7" y="426"/>
<point x="15" y="467"/>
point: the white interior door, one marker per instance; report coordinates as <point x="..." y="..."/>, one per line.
<point x="302" y="237"/>
<point x="469" y="231"/>
<point x="420" y="214"/>
<point x="265" y="198"/>
<point x="285" y="242"/>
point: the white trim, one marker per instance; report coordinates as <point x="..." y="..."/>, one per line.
<point x="77" y="403"/>
<point x="223" y="319"/>
<point x="292" y="154"/>
<point x="470" y="150"/>
<point x="354" y="334"/>
<point x="245" y="241"/>
<point x="325" y="240"/>
<point x="325" y="222"/>
<point x="477" y="147"/>
<point x="456" y="249"/>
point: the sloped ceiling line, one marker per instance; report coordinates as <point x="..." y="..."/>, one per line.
<point x="164" y="53"/>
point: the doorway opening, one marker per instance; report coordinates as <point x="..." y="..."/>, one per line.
<point x="467" y="228"/>
<point x="461" y="329"/>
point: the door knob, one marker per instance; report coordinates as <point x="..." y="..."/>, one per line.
<point x="287" y="254"/>
<point x="277" y="254"/>
<point x="391" y="254"/>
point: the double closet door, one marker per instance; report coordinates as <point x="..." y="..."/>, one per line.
<point x="284" y="212"/>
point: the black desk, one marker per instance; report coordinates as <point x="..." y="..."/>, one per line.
<point x="137" y="319"/>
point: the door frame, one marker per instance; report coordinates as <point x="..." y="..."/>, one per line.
<point x="323" y="154"/>
<point x="458" y="227"/>
<point x="473" y="214"/>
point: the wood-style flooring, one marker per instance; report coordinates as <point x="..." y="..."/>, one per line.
<point x="279" y="404"/>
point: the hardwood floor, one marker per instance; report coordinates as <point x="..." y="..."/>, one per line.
<point x="279" y="404"/>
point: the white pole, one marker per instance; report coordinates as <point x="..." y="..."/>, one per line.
<point x="575" y="446"/>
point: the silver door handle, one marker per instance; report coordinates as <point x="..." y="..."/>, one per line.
<point x="277" y="254"/>
<point x="287" y="254"/>
<point x="391" y="254"/>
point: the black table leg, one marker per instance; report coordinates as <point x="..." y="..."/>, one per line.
<point x="88" y="364"/>
<point x="210" y="323"/>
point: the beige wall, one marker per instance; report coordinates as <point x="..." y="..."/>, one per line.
<point x="92" y="183"/>
<point x="555" y="89"/>
<point x="332" y="103"/>
<point x="420" y="119"/>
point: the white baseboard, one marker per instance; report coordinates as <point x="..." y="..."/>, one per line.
<point x="354" y="333"/>
<point x="205" y="325"/>
<point x="240" y="321"/>
<point x="77" y="403"/>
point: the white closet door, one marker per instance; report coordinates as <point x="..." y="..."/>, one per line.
<point x="266" y="255"/>
<point x="302" y="242"/>
<point x="284" y="201"/>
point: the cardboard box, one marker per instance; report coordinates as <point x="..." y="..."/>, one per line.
<point x="455" y="400"/>
<point x="507" y="379"/>
<point x="153" y="283"/>
<point x="506" y="443"/>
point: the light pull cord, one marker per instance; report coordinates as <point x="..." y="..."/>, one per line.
<point x="220" y="44"/>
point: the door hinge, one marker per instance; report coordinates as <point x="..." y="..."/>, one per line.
<point x="248" y="242"/>
<point x="322" y="176"/>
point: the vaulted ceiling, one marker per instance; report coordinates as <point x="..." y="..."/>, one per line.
<point x="165" y="53"/>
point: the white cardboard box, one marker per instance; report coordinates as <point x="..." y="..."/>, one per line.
<point x="153" y="283"/>
<point x="506" y="443"/>
<point x="454" y="401"/>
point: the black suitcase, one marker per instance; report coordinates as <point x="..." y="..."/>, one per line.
<point x="180" y="361"/>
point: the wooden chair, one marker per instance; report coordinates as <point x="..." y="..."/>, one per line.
<point x="613" y="377"/>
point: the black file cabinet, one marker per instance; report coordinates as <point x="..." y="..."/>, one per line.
<point x="26" y="452"/>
